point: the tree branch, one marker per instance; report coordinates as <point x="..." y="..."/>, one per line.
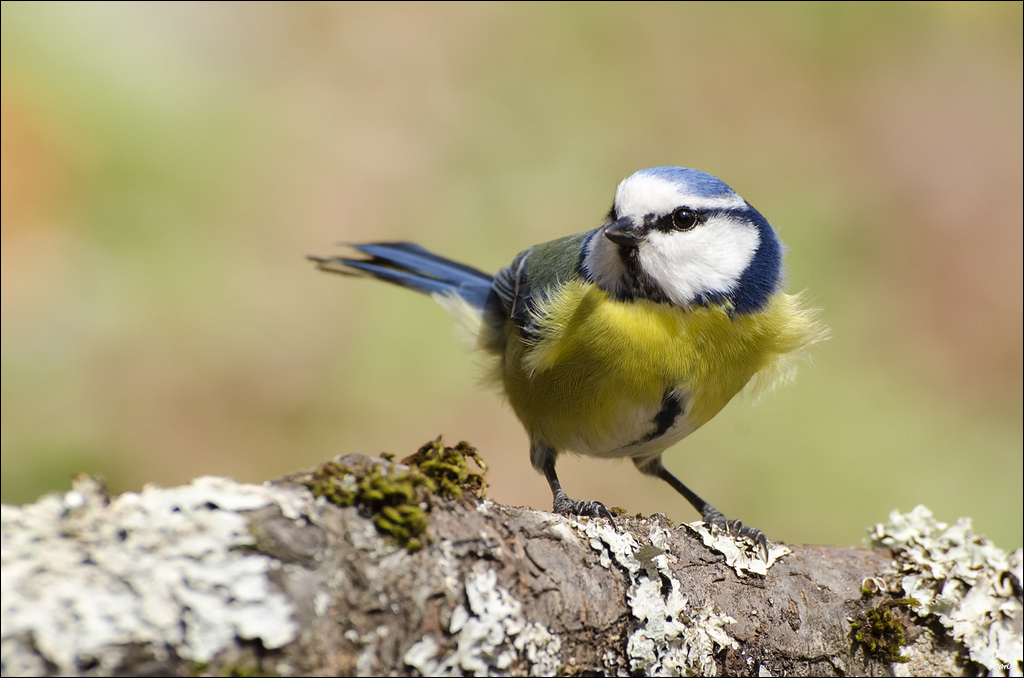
<point x="218" y="577"/>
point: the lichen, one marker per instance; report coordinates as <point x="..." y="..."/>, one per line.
<point x="962" y="580"/>
<point x="491" y="635"/>
<point x="672" y="636"/>
<point x="740" y="553"/>
<point x="86" y="575"/>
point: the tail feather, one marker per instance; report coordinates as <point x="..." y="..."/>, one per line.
<point x="411" y="266"/>
<point x="422" y="261"/>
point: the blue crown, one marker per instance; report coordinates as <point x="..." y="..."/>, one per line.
<point x="694" y="182"/>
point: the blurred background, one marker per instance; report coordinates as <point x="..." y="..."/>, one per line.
<point x="166" y="168"/>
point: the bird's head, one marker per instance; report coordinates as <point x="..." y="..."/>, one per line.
<point x="680" y="236"/>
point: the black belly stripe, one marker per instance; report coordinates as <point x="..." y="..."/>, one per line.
<point x="671" y="408"/>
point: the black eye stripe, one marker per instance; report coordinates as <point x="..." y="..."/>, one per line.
<point x="679" y="219"/>
<point x="665" y="224"/>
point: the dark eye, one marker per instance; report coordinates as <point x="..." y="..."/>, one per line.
<point x="683" y="219"/>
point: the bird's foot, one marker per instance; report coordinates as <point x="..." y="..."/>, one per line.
<point x="714" y="517"/>
<point x="568" y="507"/>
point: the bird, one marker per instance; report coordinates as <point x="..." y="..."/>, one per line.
<point x="622" y="340"/>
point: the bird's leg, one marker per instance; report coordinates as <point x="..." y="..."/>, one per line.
<point x="709" y="513"/>
<point x="566" y="506"/>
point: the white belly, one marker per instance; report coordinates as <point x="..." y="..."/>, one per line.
<point x="643" y="432"/>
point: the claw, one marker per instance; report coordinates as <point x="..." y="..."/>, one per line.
<point x="563" y="504"/>
<point x="735" y="527"/>
<point x="568" y="507"/>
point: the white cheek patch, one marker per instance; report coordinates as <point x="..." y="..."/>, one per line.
<point x="645" y="194"/>
<point x="707" y="260"/>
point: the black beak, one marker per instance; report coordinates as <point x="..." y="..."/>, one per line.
<point x="624" y="232"/>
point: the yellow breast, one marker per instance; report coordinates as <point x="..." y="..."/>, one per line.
<point x="599" y="367"/>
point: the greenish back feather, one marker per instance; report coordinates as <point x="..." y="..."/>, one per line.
<point x="554" y="263"/>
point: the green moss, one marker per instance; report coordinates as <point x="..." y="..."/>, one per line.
<point x="882" y="630"/>
<point x="390" y="498"/>
<point x="398" y="500"/>
<point x="449" y="468"/>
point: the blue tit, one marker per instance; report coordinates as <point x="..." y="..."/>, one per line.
<point x="623" y="340"/>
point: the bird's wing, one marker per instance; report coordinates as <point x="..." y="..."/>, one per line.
<point x="515" y="293"/>
<point x="535" y="274"/>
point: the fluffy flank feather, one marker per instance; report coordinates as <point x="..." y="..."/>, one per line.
<point x="468" y="318"/>
<point x="798" y="328"/>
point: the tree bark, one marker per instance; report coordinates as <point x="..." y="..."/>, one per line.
<point x="218" y="577"/>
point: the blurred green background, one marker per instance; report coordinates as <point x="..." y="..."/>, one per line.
<point x="166" y="167"/>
